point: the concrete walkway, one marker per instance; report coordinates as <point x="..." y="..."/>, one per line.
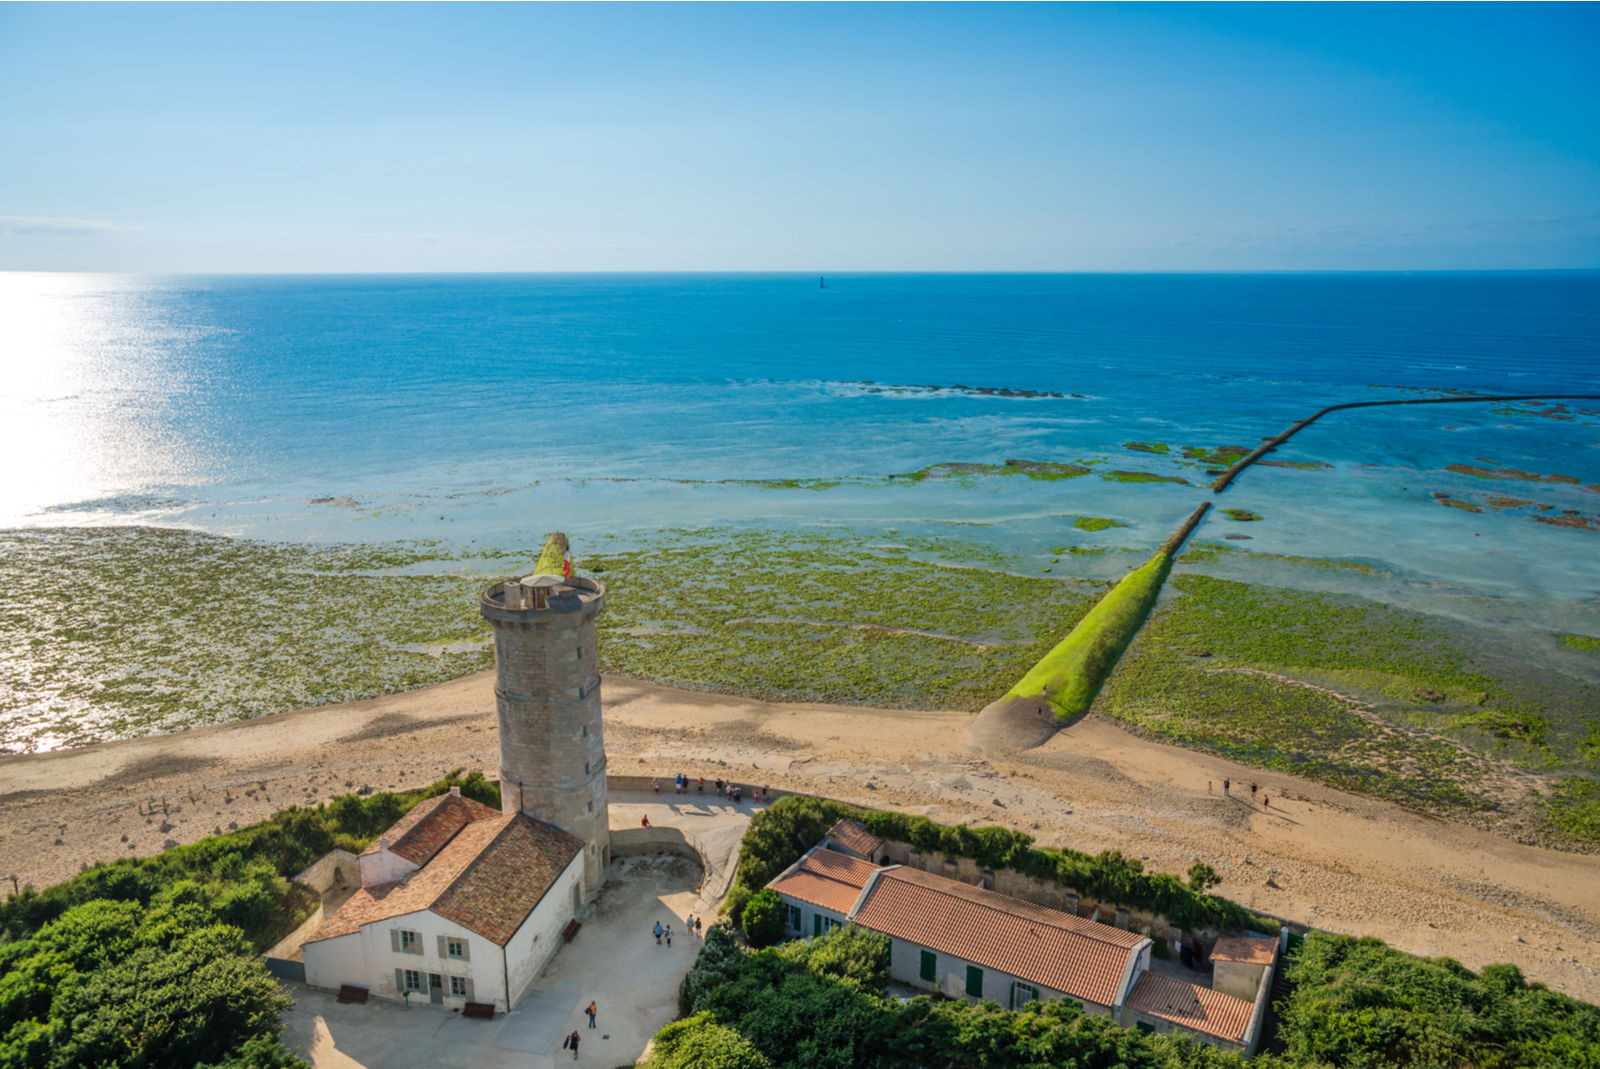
<point x="614" y="960"/>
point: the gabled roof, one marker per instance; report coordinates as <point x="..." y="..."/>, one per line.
<point x="424" y="831"/>
<point x="1199" y="1008"/>
<point x="826" y="878"/>
<point x="487" y="878"/>
<point x="1044" y="946"/>
<point x="852" y="836"/>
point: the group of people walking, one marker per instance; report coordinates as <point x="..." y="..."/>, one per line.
<point x="730" y="790"/>
<point x="694" y="926"/>
<point x="571" y="1042"/>
<point x="1227" y="788"/>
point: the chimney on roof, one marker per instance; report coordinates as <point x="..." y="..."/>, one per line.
<point x="383" y="843"/>
<point x="455" y="792"/>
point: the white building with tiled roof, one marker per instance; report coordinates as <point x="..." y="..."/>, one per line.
<point x="458" y="903"/>
<point x="964" y="941"/>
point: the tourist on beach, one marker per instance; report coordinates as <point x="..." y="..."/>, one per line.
<point x="1252" y="792"/>
<point x="1266" y="803"/>
<point x="591" y="1010"/>
<point x="658" y="933"/>
<point x="1208" y="786"/>
<point x="1225" y="785"/>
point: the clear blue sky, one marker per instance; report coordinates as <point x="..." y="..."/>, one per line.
<point x="823" y="137"/>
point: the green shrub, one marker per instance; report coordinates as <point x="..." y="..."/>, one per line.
<point x="718" y="957"/>
<point x="117" y="983"/>
<point x="701" y="1043"/>
<point x="762" y="918"/>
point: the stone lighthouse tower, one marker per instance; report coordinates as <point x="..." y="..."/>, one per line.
<point x="547" y="692"/>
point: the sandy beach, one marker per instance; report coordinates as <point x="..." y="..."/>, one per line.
<point x="1336" y="861"/>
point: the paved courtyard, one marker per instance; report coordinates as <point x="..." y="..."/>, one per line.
<point x="614" y="960"/>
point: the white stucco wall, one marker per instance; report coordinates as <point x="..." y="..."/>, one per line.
<point x="333" y="962"/>
<point x="808" y="927"/>
<point x="540" y="935"/>
<point x="484" y="966"/>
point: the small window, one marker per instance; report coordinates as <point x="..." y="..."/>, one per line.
<point x="580" y="653"/>
<point x="930" y="966"/>
<point x="586" y="731"/>
<point x="1145" y="1027"/>
<point x="410" y="942"/>
<point x="453" y="948"/>
<point x="794" y="917"/>
<point x="974" y="981"/>
<point x="414" y="980"/>
<point x="591" y="807"/>
<point x="586" y="768"/>
<point x="458" y="987"/>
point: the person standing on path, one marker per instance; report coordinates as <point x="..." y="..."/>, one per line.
<point x="573" y="1039"/>
<point x="1253" y="789"/>
<point x="669" y="935"/>
<point x="1225" y="785"/>
<point x="1266" y="803"/>
<point x="644" y="821"/>
<point x="658" y="933"/>
<point x="656" y="783"/>
<point x="1208" y="786"/>
<point x="591" y="1010"/>
<point x="702" y="785"/>
<point x="698" y="930"/>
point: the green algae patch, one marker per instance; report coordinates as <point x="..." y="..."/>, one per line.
<point x="1220" y="456"/>
<point x="1043" y="470"/>
<point x="1241" y="515"/>
<point x="1071" y="674"/>
<point x="1353" y="693"/>
<point x="823" y="616"/>
<point x="1093" y="523"/>
<point x="1582" y="642"/>
<point x="1142" y="477"/>
<point x="1572" y="814"/>
<point x="116" y="632"/>
<point x="1148" y="447"/>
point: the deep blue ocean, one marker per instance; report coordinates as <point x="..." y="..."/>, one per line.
<point x="485" y="410"/>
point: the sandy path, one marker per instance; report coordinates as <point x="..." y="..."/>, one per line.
<point x="1337" y="861"/>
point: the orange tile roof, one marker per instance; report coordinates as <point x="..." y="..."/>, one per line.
<point x="852" y="836"/>
<point x="487" y="878"/>
<point x="424" y="831"/>
<point x="1250" y="950"/>
<point x="826" y="878"/>
<point x="1198" y="1008"/>
<point x="1045" y="946"/>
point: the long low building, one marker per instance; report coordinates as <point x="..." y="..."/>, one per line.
<point x="964" y="941"/>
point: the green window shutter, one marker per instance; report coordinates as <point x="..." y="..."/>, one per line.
<point x="399" y="980"/>
<point x="1141" y="1026"/>
<point x="816" y="924"/>
<point x="930" y="966"/>
<point x="974" y="981"/>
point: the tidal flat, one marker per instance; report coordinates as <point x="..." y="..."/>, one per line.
<point x="1289" y="663"/>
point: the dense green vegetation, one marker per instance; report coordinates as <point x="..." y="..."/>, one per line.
<point x="1355" y="1004"/>
<point x="780" y="834"/>
<point x="1582" y="642"/>
<point x="1094" y="523"/>
<point x="1071" y="674"/>
<point x="820" y="1004"/>
<point x="154" y="963"/>
<point x="830" y="617"/>
<point x="1356" y="694"/>
<point x="1358" y="1004"/>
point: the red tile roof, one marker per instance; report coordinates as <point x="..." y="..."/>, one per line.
<point x="424" y="831"/>
<point x="1198" y="1008"/>
<point x="487" y="879"/>
<point x="1250" y="950"/>
<point x="852" y="836"/>
<point x="1035" y="943"/>
<point x="826" y="878"/>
